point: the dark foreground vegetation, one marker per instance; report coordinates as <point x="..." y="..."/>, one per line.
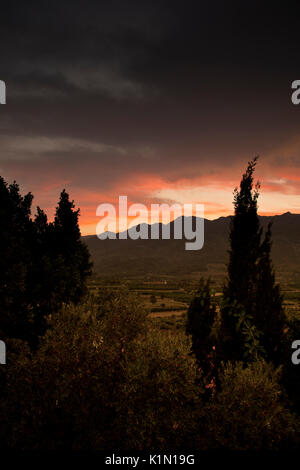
<point x="93" y="371"/>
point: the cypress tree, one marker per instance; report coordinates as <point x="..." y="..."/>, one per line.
<point x="70" y="251"/>
<point x="42" y="265"/>
<point x="15" y="259"/>
<point x="252" y="312"/>
<point x="269" y="315"/>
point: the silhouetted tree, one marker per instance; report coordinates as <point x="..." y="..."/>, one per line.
<point x="15" y="259"/>
<point x="269" y="315"/>
<point x="200" y="319"/>
<point x="252" y="313"/>
<point x="61" y="259"/>
<point x="45" y="274"/>
<point x="42" y="265"/>
<point x="70" y="251"/>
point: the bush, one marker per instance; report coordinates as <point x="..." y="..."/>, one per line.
<point x="160" y="392"/>
<point x="64" y="395"/>
<point x="99" y="380"/>
<point x="249" y="413"/>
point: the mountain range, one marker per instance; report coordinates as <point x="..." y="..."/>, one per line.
<point x="116" y="257"/>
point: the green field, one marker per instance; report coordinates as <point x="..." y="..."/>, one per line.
<point x="167" y="299"/>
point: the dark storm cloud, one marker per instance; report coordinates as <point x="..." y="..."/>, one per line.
<point x="165" y="46"/>
<point x="82" y="41"/>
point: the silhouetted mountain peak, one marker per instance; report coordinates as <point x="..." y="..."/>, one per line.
<point x="112" y="257"/>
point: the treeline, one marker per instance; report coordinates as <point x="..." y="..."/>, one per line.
<point x="93" y="372"/>
<point x="42" y="265"/>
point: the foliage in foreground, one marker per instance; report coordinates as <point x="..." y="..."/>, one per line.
<point x="102" y="378"/>
<point x="249" y="412"/>
<point x="99" y="380"/>
<point x="42" y="264"/>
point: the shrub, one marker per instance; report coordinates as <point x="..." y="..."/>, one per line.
<point x="65" y="394"/>
<point x="160" y="392"/>
<point x="99" y="380"/>
<point x="249" y="413"/>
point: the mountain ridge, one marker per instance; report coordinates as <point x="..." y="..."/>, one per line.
<point x="159" y="256"/>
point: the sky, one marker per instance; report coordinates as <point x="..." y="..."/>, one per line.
<point x="161" y="101"/>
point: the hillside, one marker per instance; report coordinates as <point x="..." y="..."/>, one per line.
<point x="158" y="257"/>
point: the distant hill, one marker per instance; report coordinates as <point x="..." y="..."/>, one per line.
<point x="158" y="257"/>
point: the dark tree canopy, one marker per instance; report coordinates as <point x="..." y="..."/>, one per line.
<point x="16" y="229"/>
<point x="200" y="319"/>
<point x="252" y="312"/>
<point x="42" y="265"/>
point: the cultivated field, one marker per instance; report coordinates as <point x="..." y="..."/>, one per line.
<point x="167" y="299"/>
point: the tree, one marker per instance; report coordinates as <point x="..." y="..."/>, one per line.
<point x="15" y="259"/>
<point x="70" y="251"/>
<point x="42" y="265"/>
<point x="269" y="315"/>
<point x="100" y="377"/>
<point x="60" y="264"/>
<point x="200" y="319"/>
<point x="252" y="313"/>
